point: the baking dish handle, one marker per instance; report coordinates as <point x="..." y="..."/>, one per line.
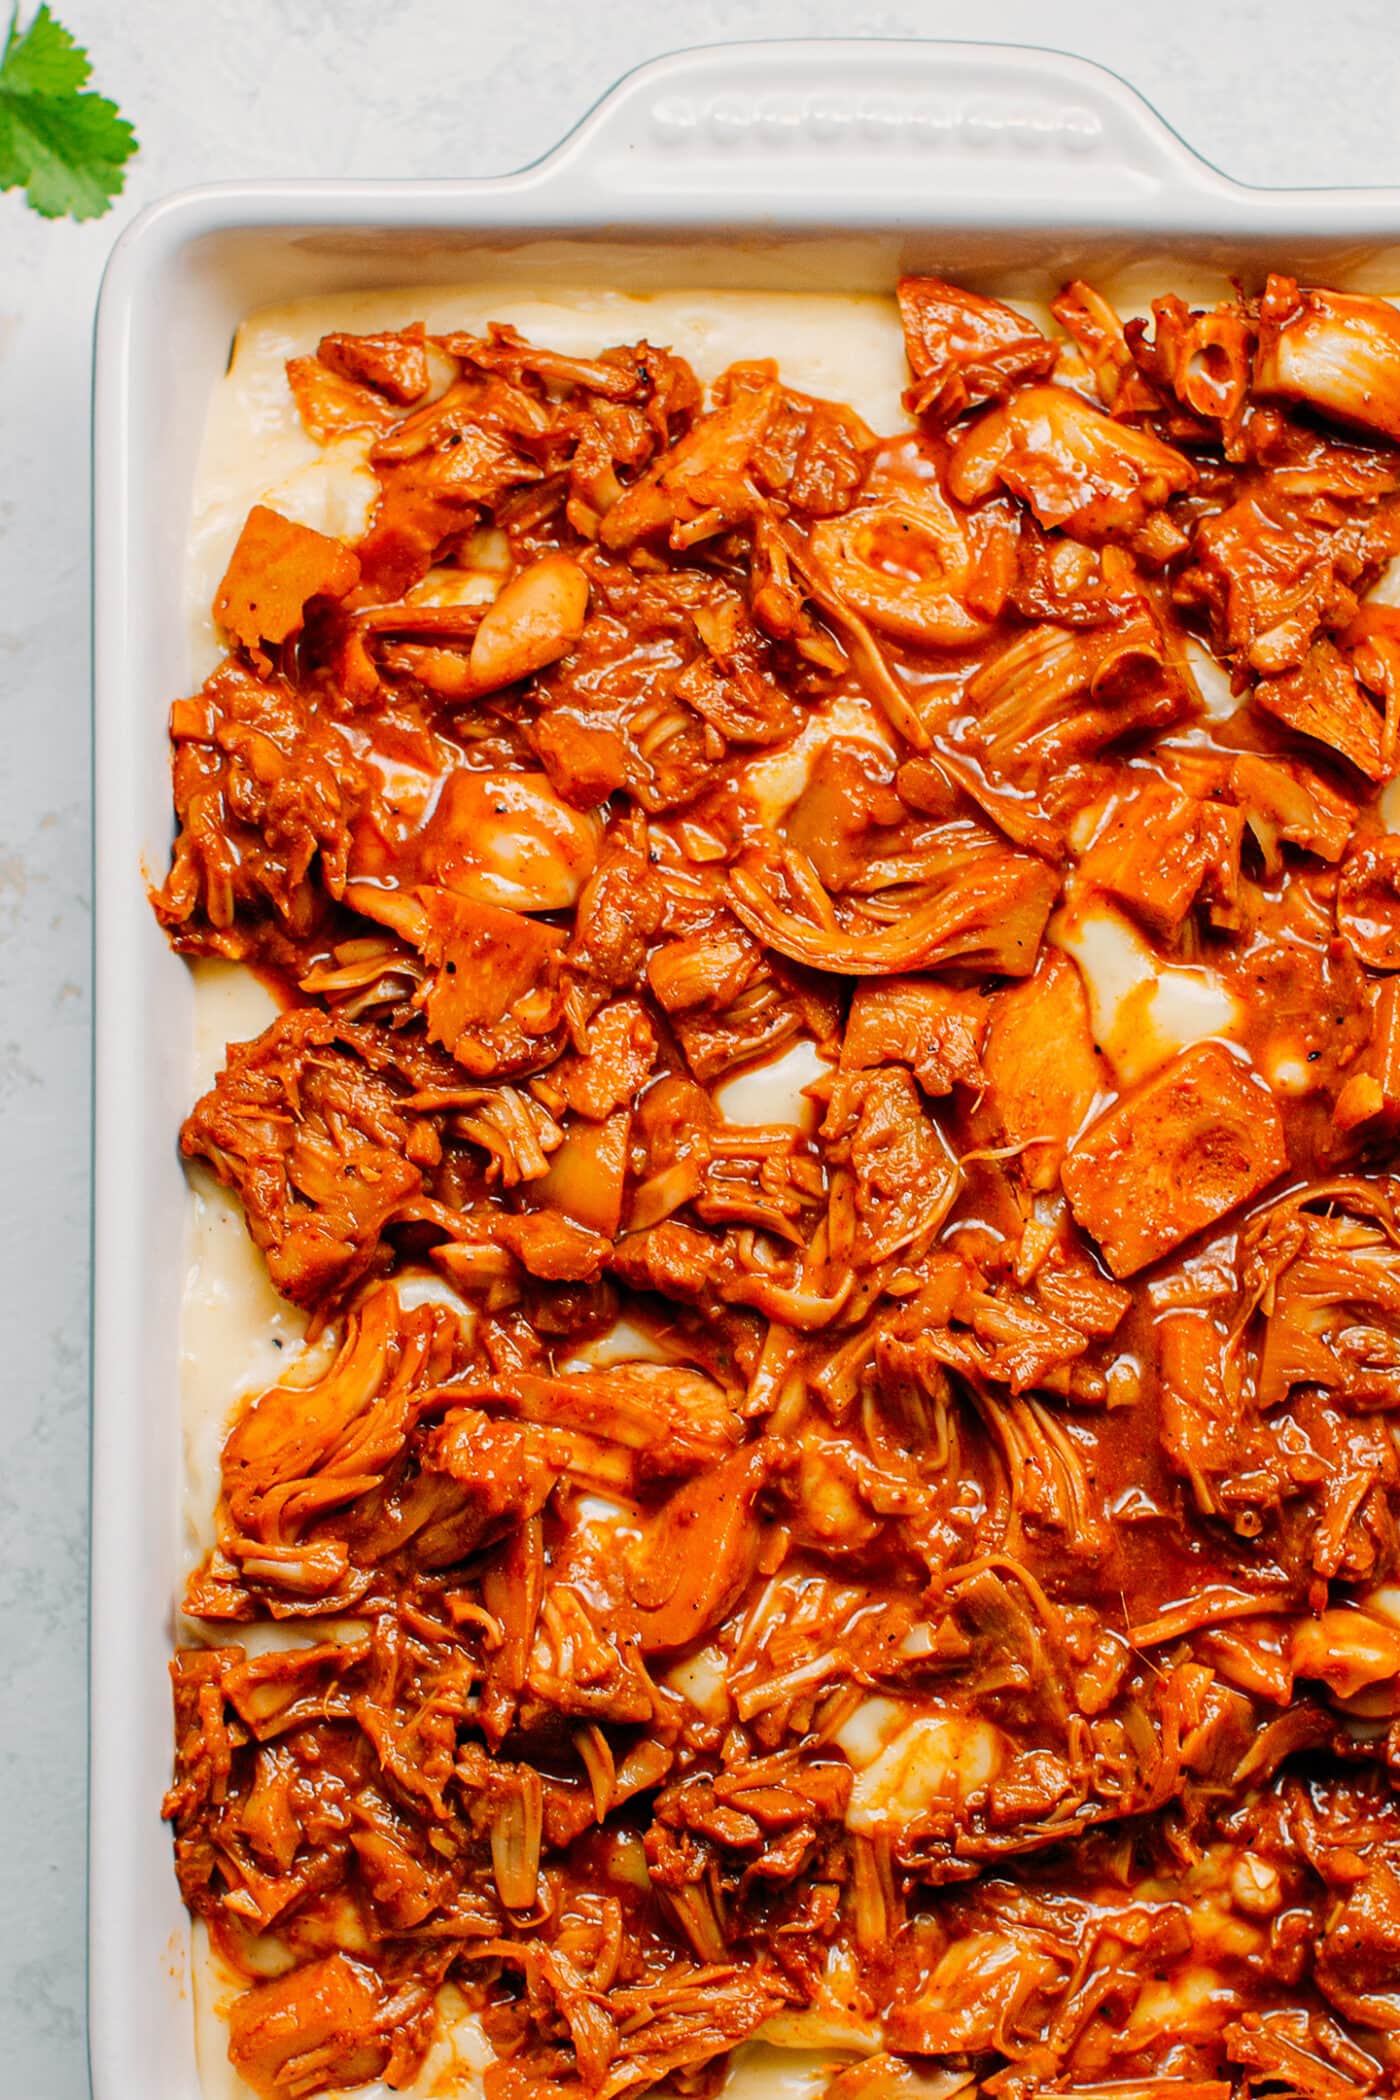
<point x="990" y="127"/>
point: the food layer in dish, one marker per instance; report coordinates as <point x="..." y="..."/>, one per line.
<point x="821" y="1151"/>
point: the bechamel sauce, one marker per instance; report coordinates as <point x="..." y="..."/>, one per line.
<point x="237" y="1335"/>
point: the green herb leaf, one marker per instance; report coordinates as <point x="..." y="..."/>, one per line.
<point x="68" y="150"/>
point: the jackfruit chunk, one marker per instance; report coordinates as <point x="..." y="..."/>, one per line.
<point x="1199" y="1138"/>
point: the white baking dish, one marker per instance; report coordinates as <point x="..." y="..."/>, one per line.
<point x="785" y="166"/>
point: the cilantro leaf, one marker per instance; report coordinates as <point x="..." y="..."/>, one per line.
<point x="45" y="60"/>
<point x="67" y="149"/>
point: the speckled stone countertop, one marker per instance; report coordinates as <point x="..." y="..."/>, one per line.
<point x="1284" y="92"/>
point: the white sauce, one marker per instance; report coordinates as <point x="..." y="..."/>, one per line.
<point x="237" y="1336"/>
<point x="865" y="1733"/>
<point x="624" y="1343"/>
<point x="1144" y="1011"/>
<point x="919" y="1762"/>
<point x="761" y="2072"/>
<point x="1212" y="682"/>
<point x="701" y="1680"/>
<point x="773" y="1092"/>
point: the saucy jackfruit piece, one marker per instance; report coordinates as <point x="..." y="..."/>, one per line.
<point x="1323" y="700"/>
<point x="1151" y="854"/>
<point x="300" y="1451"/>
<point x="678" y="1261"/>
<point x="903" y="1176"/>
<point x="616" y="375"/>
<point x="1102" y="341"/>
<point x="1290" y="2047"/>
<point x="394" y="362"/>
<point x="1078" y="470"/>
<point x="941" y="787"/>
<point x="417" y="522"/>
<point x="320" y="2024"/>
<point x="662" y="384"/>
<point x="494" y="998"/>
<point x="620" y="909"/>
<point x="275" y="571"/>
<point x="669" y="672"/>
<point x="709" y="968"/>
<point x="695" y="1556"/>
<point x="1057" y="694"/>
<point x="964" y="348"/>
<point x="1314" y="996"/>
<point x="490" y="421"/>
<point x="855" y="828"/>
<point x="1338" y="352"/>
<point x="683" y="2016"/>
<point x="936" y="1029"/>
<point x="307" y="1126"/>
<point x="764" y="1177"/>
<point x="555" y="1249"/>
<point x="674" y="1419"/>
<point x="699" y="487"/>
<point x="1373" y="641"/>
<point x="914" y="567"/>
<point x="1273" y="569"/>
<point x="1041" y="1069"/>
<point x="1286" y="802"/>
<point x="1179" y="1154"/>
<point x="1031" y="1342"/>
<point x="988" y="914"/>
<point x="440" y="467"/>
<point x="508" y="1473"/>
<point x="728" y="1001"/>
<point x="1208" y="1430"/>
<point x="1368" y="901"/>
<point x="1329" y="1287"/>
<point x="610" y="1070"/>
<point x="266" y="790"/>
<point x="979" y="1994"/>
<point x="1204" y="359"/>
<point x="609" y="415"/>
<point x="333" y="405"/>
<point x="814" y="455"/>
<point x="731" y="686"/>
<point x="1356" y="1963"/>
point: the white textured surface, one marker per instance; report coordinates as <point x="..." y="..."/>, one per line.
<point x="1273" y="93"/>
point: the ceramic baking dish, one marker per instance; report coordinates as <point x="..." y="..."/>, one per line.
<point x="784" y="166"/>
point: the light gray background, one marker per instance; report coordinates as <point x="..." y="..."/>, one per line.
<point x="1283" y="92"/>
